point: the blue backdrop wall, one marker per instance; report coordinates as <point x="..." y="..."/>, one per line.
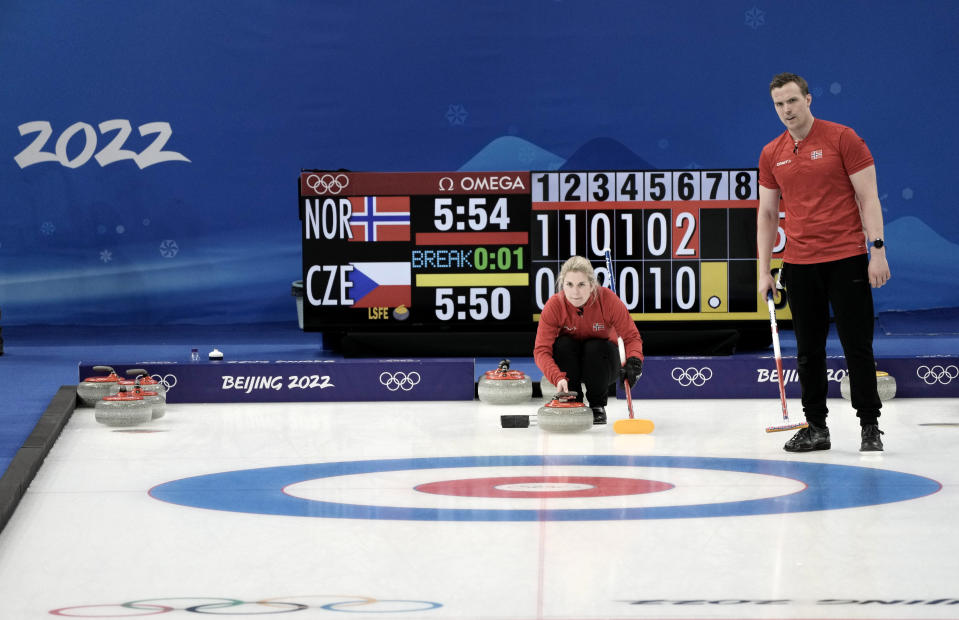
<point x="149" y="150"/>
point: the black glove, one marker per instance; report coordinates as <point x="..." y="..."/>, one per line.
<point x="631" y="370"/>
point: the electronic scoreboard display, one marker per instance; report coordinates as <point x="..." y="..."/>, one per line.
<point x="473" y="251"/>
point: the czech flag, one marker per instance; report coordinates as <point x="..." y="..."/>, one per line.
<point x="380" y="218"/>
<point x="377" y="285"/>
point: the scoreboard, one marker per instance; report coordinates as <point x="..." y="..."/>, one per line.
<point x="476" y="251"/>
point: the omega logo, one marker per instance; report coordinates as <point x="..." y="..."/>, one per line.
<point x="483" y="183"/>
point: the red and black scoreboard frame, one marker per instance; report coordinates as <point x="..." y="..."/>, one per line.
<point x="473" y="251"/>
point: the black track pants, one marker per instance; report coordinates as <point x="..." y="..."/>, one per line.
<point x="594" y="361"/>
<point x="811" y="290"/>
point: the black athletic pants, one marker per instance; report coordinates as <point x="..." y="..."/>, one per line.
<point x="594" y="361"/>
<point x="810" y="290"/>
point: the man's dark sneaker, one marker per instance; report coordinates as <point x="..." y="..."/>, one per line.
<point x="871" y="440"/>
<point x="808" y="439"/>
<point x="599" y="415"/>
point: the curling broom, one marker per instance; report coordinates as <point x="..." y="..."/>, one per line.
<point x="632" y="426"/>
<point x="787" y="425"/>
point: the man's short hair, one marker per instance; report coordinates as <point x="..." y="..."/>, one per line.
<point x="785" y="78"/>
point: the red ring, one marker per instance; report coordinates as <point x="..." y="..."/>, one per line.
<point x="598" y="486"/>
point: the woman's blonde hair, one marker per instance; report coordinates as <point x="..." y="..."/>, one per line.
<point x="580" y="264"/>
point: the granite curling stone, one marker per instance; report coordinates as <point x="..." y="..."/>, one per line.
<point x="564" y="414"/>
<point x="146" y="382"/>
<point x="885" y="383"/>
<point x="124" y="409"/>
<point x="157" y="400"/>
<point x="504" y="386"/>
<point x="92" y="389"/>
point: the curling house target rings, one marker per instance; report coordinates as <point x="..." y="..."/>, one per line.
<point x="826" y="487"/>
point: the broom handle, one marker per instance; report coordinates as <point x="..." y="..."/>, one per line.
<point x="622" y="347"/>
<point x="622" y="361"/>
<point x="609" y="270"/>
<point x="777" y="351"/>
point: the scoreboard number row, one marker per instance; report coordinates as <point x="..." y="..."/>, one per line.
<point x="635" y="233"/>
<point x="651" y="186"/>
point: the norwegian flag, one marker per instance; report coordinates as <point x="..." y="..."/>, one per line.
<point x="380" y="218"/>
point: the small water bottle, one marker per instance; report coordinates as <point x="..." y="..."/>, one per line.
<point x="194" y="355"/>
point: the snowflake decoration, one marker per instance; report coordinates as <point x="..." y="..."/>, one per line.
<point x="693" y="165"/>
<point x="456" y="114"/>
<point x="47" y="229"/>
<point x="817" y="92"/>
<point x="106" y="256"/>
<point x="169" y="248"/>
<point x="663" y="144"/>
<point x="755" y="18"/>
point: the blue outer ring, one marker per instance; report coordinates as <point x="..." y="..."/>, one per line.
<point x="828" y="487"/>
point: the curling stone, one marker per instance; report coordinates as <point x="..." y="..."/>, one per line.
<point x="504" y="386"/>
<point x="885" y="383"/>
<point x="157" y="401"/>
<point x="564" y="414"/>
<point x="125" y="409"/>
<point x="146" y="383"/>
<point x="92" y="389"/>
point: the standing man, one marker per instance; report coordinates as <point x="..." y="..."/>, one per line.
<point x="825" y="176"/>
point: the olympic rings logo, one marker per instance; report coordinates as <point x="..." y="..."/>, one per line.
<point x="932" y="375"/>
<point x="168" y="381"/>
<point x="692" y="376"/>
<point x="400" y="380"/>
<point x="218" y="606"/>
<point x="327" y="184"/>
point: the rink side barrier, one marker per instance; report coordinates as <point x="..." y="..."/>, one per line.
<point x="28" y="459"/>
<point x="356" y="380"/>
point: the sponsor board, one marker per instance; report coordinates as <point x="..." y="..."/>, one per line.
<point x="757" y="377"/>
<point x="454" y="378"/>
<point x="307" y="381"/>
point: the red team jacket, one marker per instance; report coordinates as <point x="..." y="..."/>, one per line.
<point x="603" y="316"/>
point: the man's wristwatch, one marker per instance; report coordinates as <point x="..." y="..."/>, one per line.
<point x="878" y="244"/>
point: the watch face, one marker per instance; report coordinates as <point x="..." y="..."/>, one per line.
<point x="877" y="243"/>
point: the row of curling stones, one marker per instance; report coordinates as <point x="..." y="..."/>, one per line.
<point x="504" y="386"/>
<point x="885" y="383"/>
<point x="562" y="414"/>
<point x="131" y="405"/>
<point x="93" y="389"/>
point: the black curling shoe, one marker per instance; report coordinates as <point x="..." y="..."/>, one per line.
<point x="599" y="415"/>
<point x="871" y="438"/>
<point x="809" y="439"/>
